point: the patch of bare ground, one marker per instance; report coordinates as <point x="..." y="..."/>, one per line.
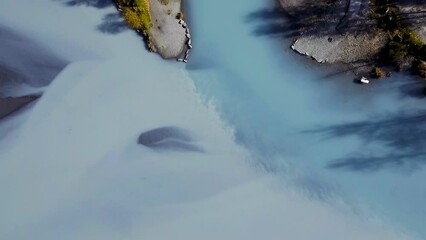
<point x="168" y="36"/>
<point x="347" y="48"/>
<point x="335" y="31"/>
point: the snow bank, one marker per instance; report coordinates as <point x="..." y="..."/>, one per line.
<point x="77" y="172"/>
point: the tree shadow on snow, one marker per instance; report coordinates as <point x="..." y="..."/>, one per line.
<point x="90" y="3"/>
<point x="403" y="134"/>
<point x="313" y="18"/>
<point x="112" y="23"/>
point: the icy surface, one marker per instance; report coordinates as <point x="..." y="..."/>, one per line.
<point x="71" y="166"/>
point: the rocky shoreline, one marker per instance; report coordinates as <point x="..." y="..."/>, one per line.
<point x="333" y="36"/>
<point x="168" y="35"/>
<point x="340" y="32"/>
<point x="161" y="24"/>
<point x="188" y="44"/>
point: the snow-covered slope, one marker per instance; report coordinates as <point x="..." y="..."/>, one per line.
<point x="71" y="167"/>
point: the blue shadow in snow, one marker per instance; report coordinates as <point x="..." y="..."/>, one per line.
<point x="169" y="139"/>
<point x="112" y="23"/>
<point x="404" y="134"/>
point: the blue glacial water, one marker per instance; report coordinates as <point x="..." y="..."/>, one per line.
<point x="331" y="137"/>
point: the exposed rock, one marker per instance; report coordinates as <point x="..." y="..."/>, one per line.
<point x="13" y="104"/>
<point x="167" y="33"/>
<point x="364" y="80"/>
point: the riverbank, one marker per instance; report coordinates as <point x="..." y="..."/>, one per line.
<point x="335" y="32"/>
<point x="160" y="23"/>
<point x="346" y="33"/>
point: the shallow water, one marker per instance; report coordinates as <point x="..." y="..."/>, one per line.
<point x="335" y="138"/>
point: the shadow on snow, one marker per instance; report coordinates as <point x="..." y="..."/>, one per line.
<point x="112" y="23"/>
<point x="404" y="134"/>
<point x="90" y="3"/>
<point x="314" y="18"/>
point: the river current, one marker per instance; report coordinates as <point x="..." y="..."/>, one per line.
<point x="362" y="143"/>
